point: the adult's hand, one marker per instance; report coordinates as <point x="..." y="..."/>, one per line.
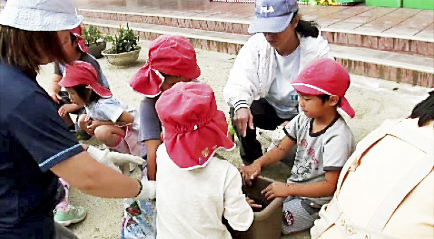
<point x="243" y="118"/>
<point x="148" y="190"/>
<point x="56" y="97"/>
<point x="113" y="159"/>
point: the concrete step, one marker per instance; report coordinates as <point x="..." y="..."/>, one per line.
<point x="422" y="45"/>
<point x="394" y="66"/>
<point x="208" y="40"/>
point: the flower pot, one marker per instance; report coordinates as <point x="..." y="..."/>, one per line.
<point x="267" y="222"/>
<point x="122" y="59"/>
<point x="96" y="49"/>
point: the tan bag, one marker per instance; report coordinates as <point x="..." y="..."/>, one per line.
<point x="386" y="188"/>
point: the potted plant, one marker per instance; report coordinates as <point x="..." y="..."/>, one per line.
<point x="94" y="41"/>
<point x="124" y="50"/>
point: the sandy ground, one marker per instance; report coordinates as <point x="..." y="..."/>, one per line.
<point x="374" y="101"/>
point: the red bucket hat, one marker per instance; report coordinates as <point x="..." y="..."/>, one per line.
<point x="78" y="31"/>
<point x="325" y="76"/>
<point x="172" y="55"/>
<point x="83" y="73"/>
<point x="193" y="127"/>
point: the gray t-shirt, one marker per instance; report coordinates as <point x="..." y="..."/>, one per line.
<point x="150" y="125"/>
<point x="318" y="152"/>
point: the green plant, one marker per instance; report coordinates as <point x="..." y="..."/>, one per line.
<point x="92" y="35"/>
<point x="125" y="41"/>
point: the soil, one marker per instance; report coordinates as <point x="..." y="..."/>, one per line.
<point x="374" y="101"/>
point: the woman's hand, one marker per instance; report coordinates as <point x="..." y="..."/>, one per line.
<point x="56" y="97"/>
<point x="248" y="173"/>
<point x="243" y="118"/>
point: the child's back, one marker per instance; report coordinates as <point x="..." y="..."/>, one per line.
<point x="194" y="189"/>
<point x="191" y="203"/>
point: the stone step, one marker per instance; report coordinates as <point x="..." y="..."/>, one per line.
<point x="398" y="67"/>
<point x="421" y="45"/>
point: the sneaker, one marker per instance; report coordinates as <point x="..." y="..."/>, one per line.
<point x="73" y="215"/>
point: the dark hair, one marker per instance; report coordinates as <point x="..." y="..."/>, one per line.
<point x="424" y="110"/>
<point x="20" y="48"/>
<point x="74" y="40"/>
<point x="83" y="93"/>
<point x="324" y="98"/>
<point x="306" y="28"/>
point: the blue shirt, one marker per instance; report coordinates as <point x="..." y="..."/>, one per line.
<point x="33" y="139"/>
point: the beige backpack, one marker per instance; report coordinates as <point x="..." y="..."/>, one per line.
<point x="386" y="188"/>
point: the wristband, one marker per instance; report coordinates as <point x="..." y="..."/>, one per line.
<point x="140" y="189"/>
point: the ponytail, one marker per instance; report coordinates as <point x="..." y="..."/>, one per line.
<point x="306" y="28"/>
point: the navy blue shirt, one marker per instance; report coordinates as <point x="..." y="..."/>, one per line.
<point x="33" y="138"/>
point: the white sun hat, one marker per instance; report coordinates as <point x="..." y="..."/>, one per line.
<point x="40" y="15"/>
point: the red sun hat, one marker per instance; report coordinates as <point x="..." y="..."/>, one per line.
<point x="83" y="73"/>
<point x="325" y="76"/>
<point x="193" y="127"/>
<point x="171" y="55"/>
<point x="78" y="31"/>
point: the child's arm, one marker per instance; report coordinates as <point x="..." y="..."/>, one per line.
<point x="151" y="149"/>
<point x="273" y="156"/>
<point x="312" y="190"/>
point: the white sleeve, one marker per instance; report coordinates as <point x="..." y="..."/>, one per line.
<point x="236" y="209"/>
<point x="323" y="48"/>
<point x="242" y="86"/>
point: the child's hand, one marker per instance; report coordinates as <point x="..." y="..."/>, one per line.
<point x="67" y="108"/>
<point x="276" y="189"/>
<point x="252" y="203"/>
<point x="92" y="126"/>
<point x="250" y="172"/>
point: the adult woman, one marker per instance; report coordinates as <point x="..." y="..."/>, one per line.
<point x="258" y="89"/>
<point x="35" y="145"/>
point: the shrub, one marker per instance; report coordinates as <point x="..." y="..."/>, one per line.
<point x="126" y="40"/>
<point x="91" y="35"/>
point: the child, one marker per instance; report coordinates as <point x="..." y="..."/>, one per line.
<point x="194" y="189"/>
<point x="171" y="59"/>
<point x="112" y="122"/>
<point x="324" y="143"/>
<point x="75" y="49"/>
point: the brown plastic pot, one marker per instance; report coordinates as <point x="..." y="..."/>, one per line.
<point x="267" y="223"/>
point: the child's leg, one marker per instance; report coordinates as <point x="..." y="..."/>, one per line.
<point x="64" y="204"/>
<point x="109" y="134"/>
<point x="113" y="137"/>
<point x="65" y="214"/>
<point x="298" y="215"/>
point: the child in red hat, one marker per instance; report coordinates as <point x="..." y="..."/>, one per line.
<point x="324" y="143"/>
<point x="194" y="189"/>
<point x="171" y="59"/>
<point x="75" y="49"/>
<point x="113" y="122"/>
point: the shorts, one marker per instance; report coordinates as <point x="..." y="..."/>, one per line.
<point x="298" y="214"/>
<point x="130" y="143"/>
